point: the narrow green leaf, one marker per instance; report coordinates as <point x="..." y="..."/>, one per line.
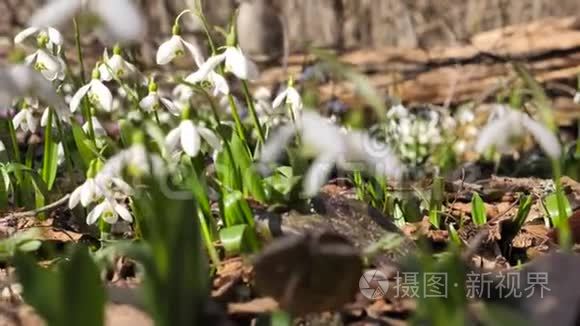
<point x="523" y="211"/>
<point x="235" y="239"/>
<point x="50" y="157"/>
<point x="84" y="145"/>
<point x="478" y="213"/>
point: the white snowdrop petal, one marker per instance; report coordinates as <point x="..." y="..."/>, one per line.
<point x="544" y="137"/>
<point x="168" y="50"/>
<point x="171" y="107"/>
<point x="18" y="118"/>
<point x="77" y="97"/>
<point x="318" y="174"/>
<point x="24" y="34"/>
<point x="123" y="212"/>
<point x="102" y="94"/>
<point x="149" y="102"/>
<point x="55" y="13"/>
<point x="122" y="19"/>
<point x="190" y="140"/>
<point x="210" y="137"/>
<point x="172" y="139"/>
<point x="493" y="133"/>
<point x="195" y="51"/>
<point x="75" y="198"/>
<point x="205" y="69"/>
<point x="55" y="36"/>
<point x="280" y="99"/>
<point x="87" y="192"/>
<point x="97" y="211"/>
<point x="236" y="63"/>
<point x="276" y="144"/>
<point x="220" y="83"/>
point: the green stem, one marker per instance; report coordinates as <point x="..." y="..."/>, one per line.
<point x="79" y="50"/>
<point x="67" y="156"/>
<point x="239" y="126"/>
<point x="252" y="108"/>
<point x="213" y="255"/>
<point x="564" y="233"/>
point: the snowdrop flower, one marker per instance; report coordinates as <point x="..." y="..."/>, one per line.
<point x="217" y="81"/>
<point x="577" y="98"/>
<point x="98" y="94"/>
<point x="187" y="136"/>
<point x="398" y="111"/>
<point x="153" y="101"/>
<point x="332" y="146"/>
<point x="291" y="97"/>
<point x="63" y="115"/>
<point x="2" y="146"/>
<point x="109" y="210"/>
<point x="98" y="128"/>
<point x="17" y="81"/>
<point x="513" y="125"/>
<point x="50" y="66"/>
<point x="86" y="194"/>
<point x="235" y="62"/>
<point x="26" y="120"/>
<point x="53" y="36"/>
<point x="176" y="46"/>
<point x="115" y="66"/>
<point x="136" y="160"/>
<point x="93" y="189"/>
<point x="120" y="20"/>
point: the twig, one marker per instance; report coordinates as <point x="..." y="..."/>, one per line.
<point x="39" y="210"/>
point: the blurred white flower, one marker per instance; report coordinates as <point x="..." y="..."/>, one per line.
<point x="175" y="47"/>
<point x="54" y="37"/>
<point x="577" y="98"/>
<point x="86" y="193"/>
<point x="99" y="95"/>
<point x="93" y="189"/>
<point x="512" y="125"/>
<point x="2" y="146"/>
<point x="50" y="66"/>
<point x="291" y="97"/>
<point x="332" y="146"/>
<point x="153" y="101"/>
<point x="98" y="128"/>
<point x="17" y="81"/>
<point x="26" y="119"/>
<point x="187" y="136"/>
<point x="63" y="116"/>
<point x="135" y="160"/>
<point x="115" y="66"/>
<point x="120" y="20"/>
<point x="109" y="210"/>
<point x="398" y="111"/>
<point x="235" y="62"/>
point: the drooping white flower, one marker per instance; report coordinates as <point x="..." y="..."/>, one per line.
<point x="217" y="81"/>
<point x="120" y="20"/>
<point x="98" y="128"/>
<point x="109" y="210"/>
<point x="54" y="37"/>
<point x="291" y="97"/>
<point x="513" y="125"/>
<point x="50" y="66"/>
<point x="63" y="115"/>
<point x="98" y="94"/>
<point x="134" y="159"/>
<point x="115" y="66"/>
<point x="332" y="146"/>
<point x="86" y="193"/>
<point x="398" y="111"/>
<point x="26" y="119"/>
<point x="235" y="62"/>
<point x="18" y="81"/>
<point x="94" y="189"/>
<point x="153" y="101"/>
<point x="176" y="46"/>
<point x="187" y="136"/>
